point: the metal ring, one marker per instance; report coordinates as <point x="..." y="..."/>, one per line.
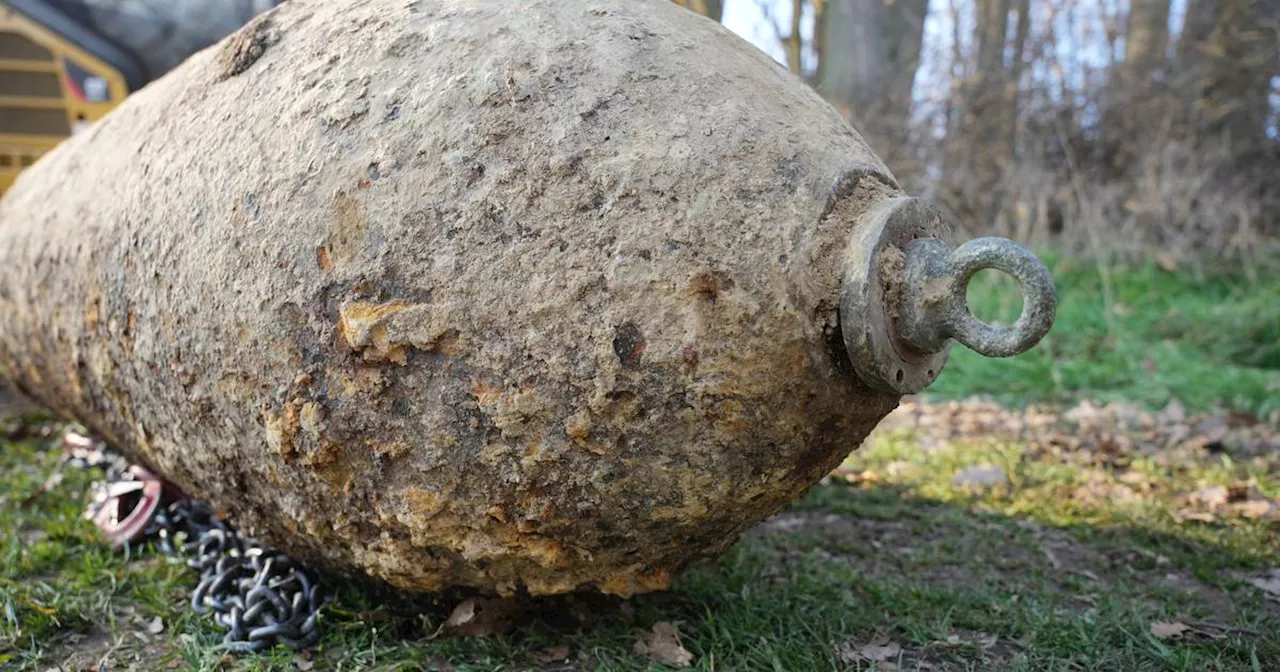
<point x="1039" y="300"/>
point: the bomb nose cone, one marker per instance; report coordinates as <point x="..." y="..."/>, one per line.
<point x="903" y="299"/>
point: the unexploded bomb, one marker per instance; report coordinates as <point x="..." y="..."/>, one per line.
<point x="534" y="296"/>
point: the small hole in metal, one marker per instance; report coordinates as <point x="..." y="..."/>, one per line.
<point x="900" y="375"/>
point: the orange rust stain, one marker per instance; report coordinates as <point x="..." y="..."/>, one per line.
<point x="391" y="450"/>
<point x="546" y="552"/>
<point x="282" y="430"/>
<point x="578" y="426"/>
<point x="362" y="326"/>
<point x="93" y="314"/>
<point x="322" y="259"/>
<point x="346" y="240"/>
<point x="449" y="344"/>
<point x="425" y="503"/>
<point x="485" y="393"/>
<point x="630" y="583"/>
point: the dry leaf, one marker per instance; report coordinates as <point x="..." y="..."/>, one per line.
<point x="662" y="644"/>
<point x="155" y="626"/>
<point x="1214" y="497"/>
<point x="1173" y="413"/>
<point x="986" y="475"/>
<point x="555" y="654"/>
<point x="302" y="662"/>
<point x="440" y="664"/>
<point x="1196" y="516"/>
<point x="1269" y="584"/>
<point x="479" y="617"/>
<point x="880" y="650"/>
<point x="1167" y="630"/>
<point x="1257" y="508"/>
<point x="50" y="483"/>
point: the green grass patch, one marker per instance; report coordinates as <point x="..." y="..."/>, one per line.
<point x="1027" y="575"/>
<point x="1058" y="566"/>
<point x="1134" y="333"/>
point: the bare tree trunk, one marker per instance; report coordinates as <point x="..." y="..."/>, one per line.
<point x="870" y="53"/>
<point x="1146" y="36"/>
<point x="712" y="9"/>
<point x="1226" y="58"/>
<point x="1134" y="106"/>
<point x="794" y="43"/>
<point x="984" y="151"/>
<point x="1023" y="8"/>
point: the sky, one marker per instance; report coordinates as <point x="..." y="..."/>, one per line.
<point x="1080" y="40"/>
<point x="1085" y="44"/>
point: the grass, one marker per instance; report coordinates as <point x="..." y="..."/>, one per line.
<point x="1139" y="334"/>
<point x="1050" y="570"/>
<point x="1028" y="576"/>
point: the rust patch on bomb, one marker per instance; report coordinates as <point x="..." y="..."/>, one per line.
<point x="93" y="314"/>
<point x="282" y="429"/>
<point x="382" y="332"/>
<point x="708" y="285"/>
<point x="346" y="241"/>
<point x="424" y="504"/>
<point x="322" y="259"/>
<point x="628" y="345"/>
<point x="592" y="471"/>
<point x="627" y="584"/>
<point x="246" y="47"/>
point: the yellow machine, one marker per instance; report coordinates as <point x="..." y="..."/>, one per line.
<point x="56" y="77"/>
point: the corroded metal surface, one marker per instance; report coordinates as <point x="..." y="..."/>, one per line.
<point x="163" y="33"/>
<point x="904" y="300"/>
<point x="534" y="300"/>
<point x="935" y="307"/>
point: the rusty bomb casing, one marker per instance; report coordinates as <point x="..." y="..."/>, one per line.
<point x="539" y="296"/>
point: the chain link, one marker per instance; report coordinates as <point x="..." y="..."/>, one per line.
<point x="257" y="594"/>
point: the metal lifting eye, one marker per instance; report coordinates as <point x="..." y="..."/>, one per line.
<point x="904" y="296"/>
<point x="935" y="306"/>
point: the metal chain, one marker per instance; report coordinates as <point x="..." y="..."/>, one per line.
<point x="257" y="594"/>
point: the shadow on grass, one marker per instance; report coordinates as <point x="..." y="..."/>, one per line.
<point x="955" y="588"/>
<point x="960" y="584"/>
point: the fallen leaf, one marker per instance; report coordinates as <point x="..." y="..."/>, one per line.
<point x="1167" y="630"/>
<point x="1212" y="497"/>
<point x="50" y="483"/>
<point x="378" y="615"/>
<point x="1257" y="508"/>
<point x="986" y="475"/>
<point x="1086" y="574"/>
<point x="155" y="626"/>
<point x="302" y="662"/>
<point x="1269" y="584"/>
<point x="1173" y="413"/>
<point x="440" y="664"/>
<point x="479" y="617"/>
<point x="662" y="644"/>
<point x="882" y="650"/>
<point x="1212" y="430"/>
<point x="1051" y="557"/>
<point x="555" y="654"/>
